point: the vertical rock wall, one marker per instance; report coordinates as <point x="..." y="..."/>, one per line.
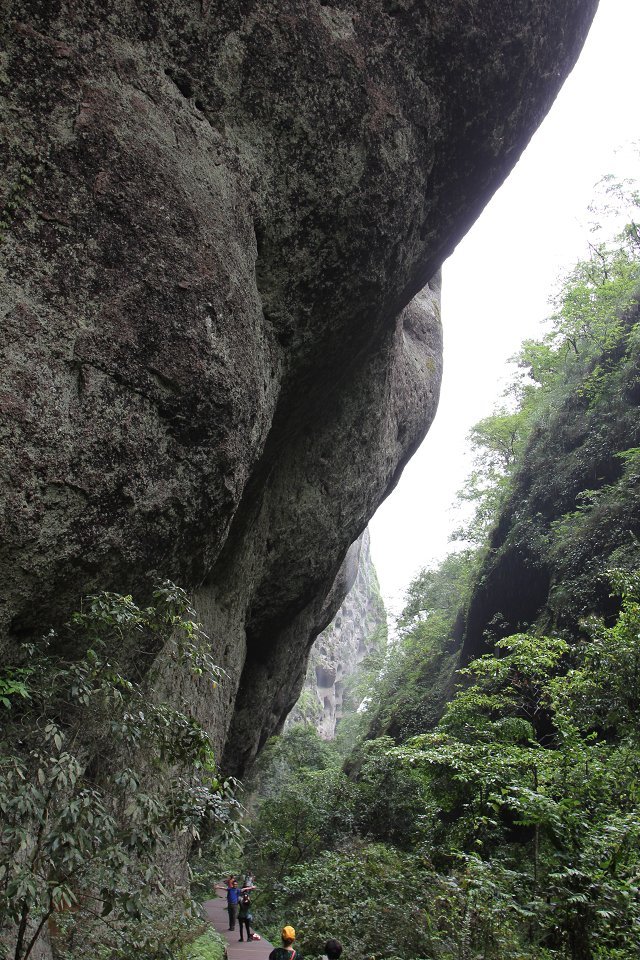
<point x="358" y="628"/>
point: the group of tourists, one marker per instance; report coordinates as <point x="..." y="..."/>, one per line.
<point x="239" y="908"/>
<point x="239" y="904"/>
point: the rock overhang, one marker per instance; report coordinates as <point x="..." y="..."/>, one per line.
<point x="218" y="356"/>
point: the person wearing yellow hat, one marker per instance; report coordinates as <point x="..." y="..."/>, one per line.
<point x="286" y="951"/>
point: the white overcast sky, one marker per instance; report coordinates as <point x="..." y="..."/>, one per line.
<point x="497" y="283"/>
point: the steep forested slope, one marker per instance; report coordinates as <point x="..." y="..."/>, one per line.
<point x="554" y="491"/>
<point x="574" y="508"/>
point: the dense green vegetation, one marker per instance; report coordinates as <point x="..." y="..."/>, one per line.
<point x="510" y="829"/>
<point x="486" y="803"/>
<point x="98" y="776"/>
<point x="209" y="946"/>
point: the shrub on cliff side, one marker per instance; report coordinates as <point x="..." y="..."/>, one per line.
<point x="97" y="778"/>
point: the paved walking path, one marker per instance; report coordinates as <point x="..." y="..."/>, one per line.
<point x="216" y="913"/>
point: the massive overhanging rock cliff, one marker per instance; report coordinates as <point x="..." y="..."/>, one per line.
<point x="222" y="225"/>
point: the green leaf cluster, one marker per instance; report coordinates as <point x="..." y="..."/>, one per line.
<point x="98" y="776"/>
<point x="209" y="946"/>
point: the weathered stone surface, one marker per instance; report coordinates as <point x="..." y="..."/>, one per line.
<point x="214" y="217"/>
<point x="358" y="629"/>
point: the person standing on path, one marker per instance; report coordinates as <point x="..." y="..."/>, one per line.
<point x="233" y="900"/>
<point x="245" y="916"/>
<point x="286" y="951"/>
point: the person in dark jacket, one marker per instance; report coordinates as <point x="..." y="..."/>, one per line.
<point x="245" y="916"/>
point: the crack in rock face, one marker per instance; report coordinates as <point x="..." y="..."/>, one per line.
<point x="221" y="233"/>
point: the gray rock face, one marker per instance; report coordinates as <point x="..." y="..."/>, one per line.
<point x="217" y="219"/>
<point x="355" y="631"/>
